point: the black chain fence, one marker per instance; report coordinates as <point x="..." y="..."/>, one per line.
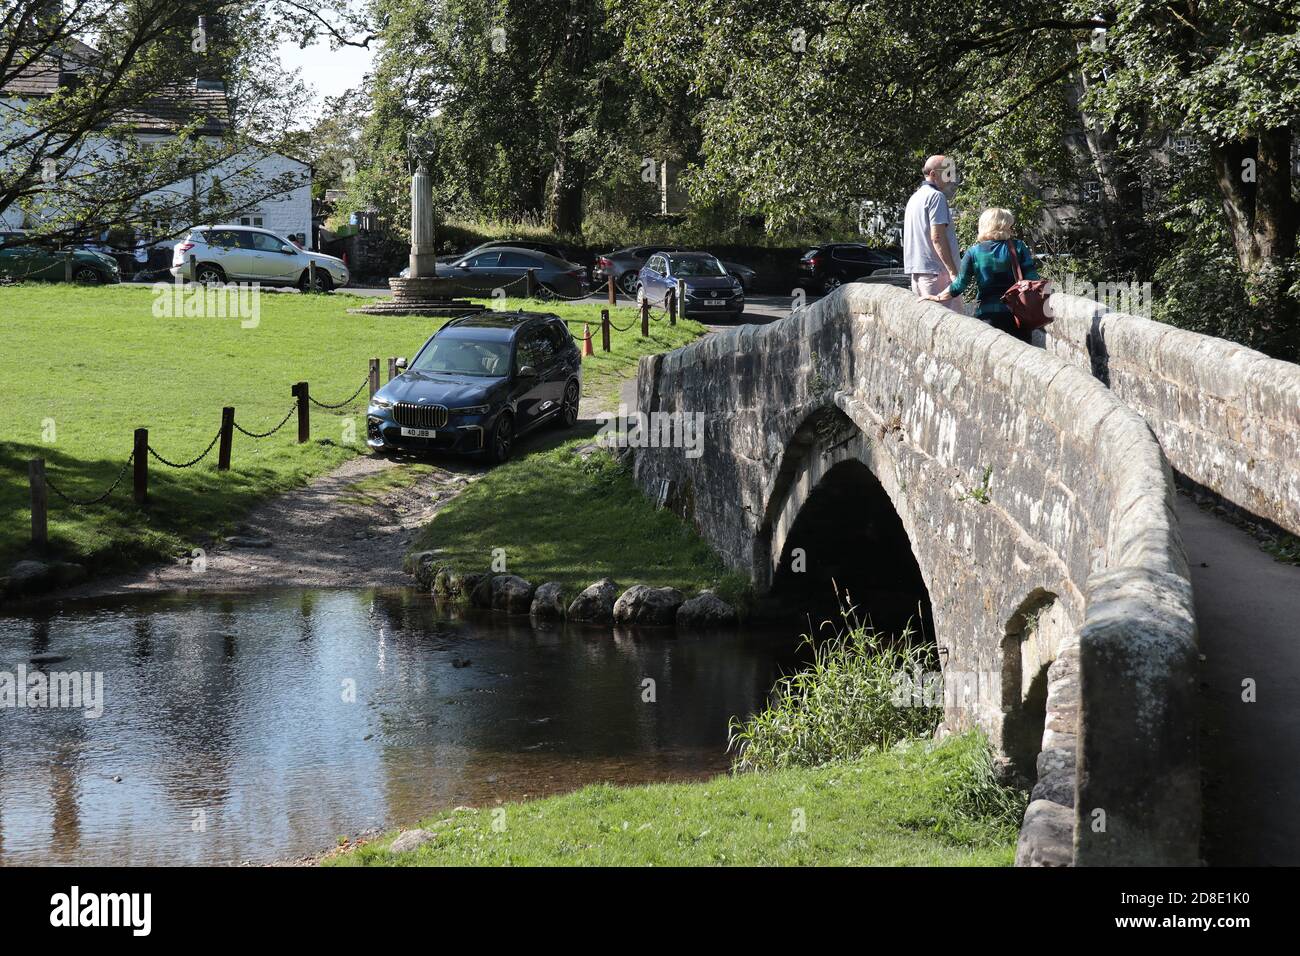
<point x="347" y="401"/>
<point x="193" y="461"/>
<point x="244" y="431"/>
<point x="79" y="503"/>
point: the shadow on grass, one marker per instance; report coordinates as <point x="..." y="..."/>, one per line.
<point x="184" y="505"/>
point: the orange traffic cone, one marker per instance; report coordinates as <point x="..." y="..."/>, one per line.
<point x="586" y="340"/>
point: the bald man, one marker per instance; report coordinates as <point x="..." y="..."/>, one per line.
<point x="929" y="240"/>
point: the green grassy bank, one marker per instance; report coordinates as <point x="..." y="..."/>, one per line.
<point x="84" y="367"/>
<point x="913" y="805"/>
<point x="562" y="517"/>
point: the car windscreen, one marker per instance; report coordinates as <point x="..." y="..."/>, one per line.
<point x="449" y="354"/>
<point x="698" y="266"/>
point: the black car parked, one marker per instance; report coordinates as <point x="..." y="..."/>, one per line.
<point x="477" y="384"/>
<point x="829" y="266"/>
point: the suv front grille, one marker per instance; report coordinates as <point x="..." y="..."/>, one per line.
<point x="420" y="416"/>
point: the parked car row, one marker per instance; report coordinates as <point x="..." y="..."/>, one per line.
<point x="498" y="262"/>
<point x="21" y="261"/>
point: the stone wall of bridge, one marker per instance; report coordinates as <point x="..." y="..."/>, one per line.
<point x="1227" y="417"/>
<point x="1037" y="506"/>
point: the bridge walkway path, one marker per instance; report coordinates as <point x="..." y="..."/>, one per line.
<point x="1248" y="616"/>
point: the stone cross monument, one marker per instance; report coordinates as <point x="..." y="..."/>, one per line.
<point x="422" y="291"/>
<point x="423" y="258"/>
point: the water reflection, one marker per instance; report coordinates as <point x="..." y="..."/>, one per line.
<point x="261" y="726"/>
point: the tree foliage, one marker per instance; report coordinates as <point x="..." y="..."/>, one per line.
<point x="72" y="157"/>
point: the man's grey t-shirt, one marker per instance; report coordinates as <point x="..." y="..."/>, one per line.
<point x="927" y="207"/>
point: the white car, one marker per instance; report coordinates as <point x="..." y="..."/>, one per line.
<point x="214" y="254"/>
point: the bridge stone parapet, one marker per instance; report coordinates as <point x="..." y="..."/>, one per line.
<point x="1227" y="417"/>
<point x="1035" y="504"/>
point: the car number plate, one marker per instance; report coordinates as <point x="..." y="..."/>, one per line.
<point x="713" y="302"/>
<point x="418" y="432"/>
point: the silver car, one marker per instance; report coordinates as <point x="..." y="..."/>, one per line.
<point x="214" y="254"/>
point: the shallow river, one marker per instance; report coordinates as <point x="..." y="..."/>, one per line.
<point x="260" y="727"/>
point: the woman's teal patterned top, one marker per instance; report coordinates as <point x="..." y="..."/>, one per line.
<point x="988" y="264"/>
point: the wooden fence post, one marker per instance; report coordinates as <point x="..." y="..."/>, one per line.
<point x="311" y="275"/>
<point x="304" y="413"/>
<point x="40" y="504"/>
<point x="141" y="466"/>
<point x="392" y="369"/>
<point x="374" y="376"/>
<point x="645" y="317"/>
<point x="227" y="435"/>
<point x="67" y="265"/>
<point x="604" y="330"/>
<point x="613" y="295"/>
<point x="530" y="287"/>
<point x="679" y="303"/>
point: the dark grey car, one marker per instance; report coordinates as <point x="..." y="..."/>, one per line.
<point x="505" y="267"/>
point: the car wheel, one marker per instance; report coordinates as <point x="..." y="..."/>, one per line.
<point x="569" y="407"/>
<point x="630" y="283"/>
<point x="87" y="275"/>
<point x="208" y="274"/>
<point x="323" y="281"/>
<point x="502" y="441"/>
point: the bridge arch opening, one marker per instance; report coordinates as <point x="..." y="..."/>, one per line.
<point x="848" y="547"/>
<point x="1033" y="638"/>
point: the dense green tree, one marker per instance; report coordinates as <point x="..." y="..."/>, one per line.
<point x="804" y="104"/>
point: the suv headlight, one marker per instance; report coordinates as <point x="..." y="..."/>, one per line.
<point x="380" y="403"/>
<point x="471" y="410"/>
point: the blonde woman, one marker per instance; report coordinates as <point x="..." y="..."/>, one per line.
<point x="988" y="265"/>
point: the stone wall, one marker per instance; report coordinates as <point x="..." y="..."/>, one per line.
<point x="1032" y="498"/>
<point x="1227" y="417"/>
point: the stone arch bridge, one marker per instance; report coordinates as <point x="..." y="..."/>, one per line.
<point x="1021" y="498"/>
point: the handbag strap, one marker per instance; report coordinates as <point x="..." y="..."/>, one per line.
<point x="1015" y="258"/>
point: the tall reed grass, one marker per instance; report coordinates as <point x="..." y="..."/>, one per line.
<point x="842" y="705"/>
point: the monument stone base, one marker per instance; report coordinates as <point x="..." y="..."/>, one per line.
<point x="428" y="295"/>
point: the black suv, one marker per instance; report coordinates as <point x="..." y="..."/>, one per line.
<point x="479" y="383"/>
<point x="829" y="266"/>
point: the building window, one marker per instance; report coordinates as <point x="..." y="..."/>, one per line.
<point x="250" y="220"/>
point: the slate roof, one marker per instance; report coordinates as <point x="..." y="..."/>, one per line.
<point x="171" y="108"/>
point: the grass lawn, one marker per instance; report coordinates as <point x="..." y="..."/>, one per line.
<point x="83" y="367"/>
<point x="564" y="518"/>
<point x="911" y="806"/>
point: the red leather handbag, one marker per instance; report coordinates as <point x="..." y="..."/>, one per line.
<point x="1027" y="298"/>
